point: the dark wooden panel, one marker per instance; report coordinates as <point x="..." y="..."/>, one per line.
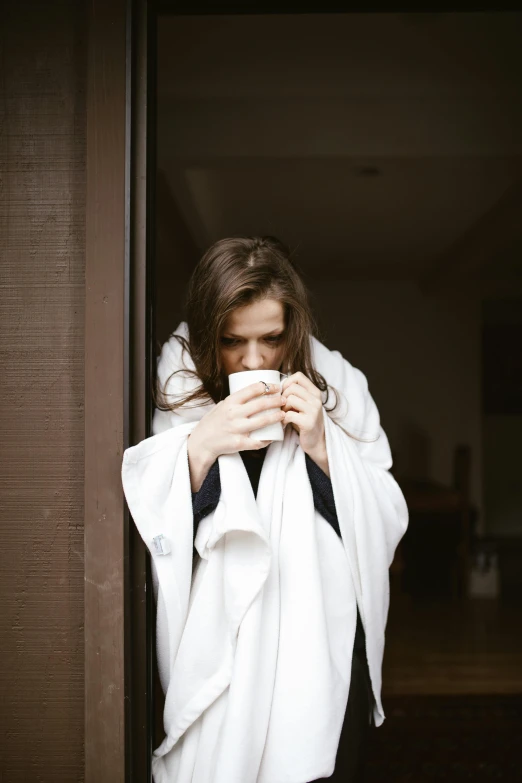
<point x="42" y="246"/>
<point x="139" y="661"/>
<point x="106" y="367"/>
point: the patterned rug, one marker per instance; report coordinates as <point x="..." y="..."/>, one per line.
<point x="451" y="738"/>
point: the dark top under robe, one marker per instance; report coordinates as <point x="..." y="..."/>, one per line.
<point x="205" y="500"/>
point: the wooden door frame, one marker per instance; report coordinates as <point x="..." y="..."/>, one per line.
<point x="106" y="276"/>
<point x="119" y="362"/>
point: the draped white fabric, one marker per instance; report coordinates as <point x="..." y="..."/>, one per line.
<point x="254" y="643"/>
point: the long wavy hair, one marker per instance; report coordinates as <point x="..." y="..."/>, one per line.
<point x="235" y="272"/>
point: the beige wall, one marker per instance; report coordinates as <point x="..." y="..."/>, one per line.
<point x="421" y="356"/>
<point x="42" y="243"/>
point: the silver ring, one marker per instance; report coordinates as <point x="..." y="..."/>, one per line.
<point x="267" y="387"/>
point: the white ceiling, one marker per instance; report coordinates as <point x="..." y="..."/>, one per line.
<point x="371" y="142"/>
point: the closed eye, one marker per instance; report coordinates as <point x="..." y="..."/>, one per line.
<point x="228" y="341"/>
<point x="271" y="338"/>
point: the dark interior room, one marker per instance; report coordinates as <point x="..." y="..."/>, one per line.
<point x="386" y="151"/>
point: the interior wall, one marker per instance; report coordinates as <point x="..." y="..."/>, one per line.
<point x="42" y="241"/>
<point x="502" y="413"/>
<point x="502" y="464"/>
<point x="175" y="256"/>
<point x="421" y="356"/>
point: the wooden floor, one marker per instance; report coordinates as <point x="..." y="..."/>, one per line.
<point x="471" y="646"/>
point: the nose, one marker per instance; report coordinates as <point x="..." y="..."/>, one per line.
<point x="252" y="360"/>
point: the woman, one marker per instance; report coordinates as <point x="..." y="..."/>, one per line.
<point x="270" y="639"/>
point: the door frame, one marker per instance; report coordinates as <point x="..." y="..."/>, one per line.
<point x="118" y="370"/>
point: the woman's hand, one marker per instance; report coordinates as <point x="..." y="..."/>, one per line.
<point x="303" y="407"/>
<point x="225" y="429"/>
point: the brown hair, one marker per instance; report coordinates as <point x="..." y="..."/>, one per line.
<point x="235" y="272"/>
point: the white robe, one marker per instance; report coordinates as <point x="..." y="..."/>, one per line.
<point x="254" y="646"/>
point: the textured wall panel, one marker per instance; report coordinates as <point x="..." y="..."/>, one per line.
<point x="42" y="243"/>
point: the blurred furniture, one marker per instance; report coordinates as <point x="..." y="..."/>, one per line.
<point x="434" y="552"/>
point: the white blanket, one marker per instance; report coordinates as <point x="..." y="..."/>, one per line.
<point x="255" y="643"/>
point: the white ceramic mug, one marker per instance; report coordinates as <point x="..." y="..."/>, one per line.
<point x="238" y="380"/>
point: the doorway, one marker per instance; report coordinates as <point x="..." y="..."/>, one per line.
<point x="385" y="150"/>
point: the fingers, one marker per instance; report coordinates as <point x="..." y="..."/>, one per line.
<point x="263" y="403"/>
<point x="294" y="418"/>
<point x="254" y="390"/>
<point x="300" y="379"/>
<point x="298" y="391"/>
<point x="298" y="403"/>
<point x="271" y="417"/>
<point x="251" y="445"/>
<point x="298" y="398"/>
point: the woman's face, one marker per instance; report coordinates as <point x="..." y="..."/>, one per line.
<point x="253" y="337"/>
